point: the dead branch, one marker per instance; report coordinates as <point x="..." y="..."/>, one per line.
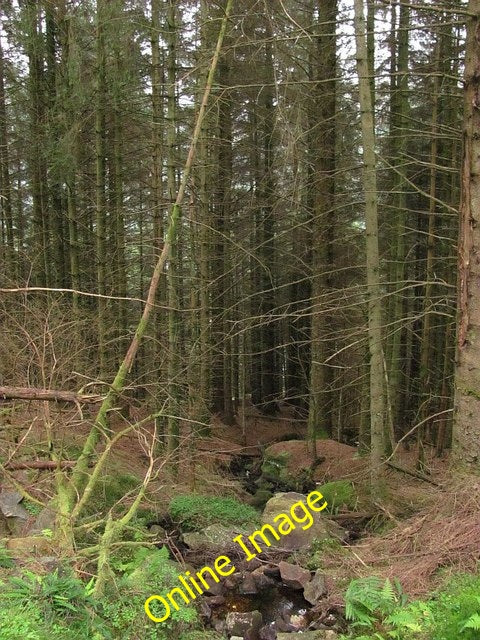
<point x="414" y="474"/>
<point x="32" y="393"/>
<point x="40" y="464"/>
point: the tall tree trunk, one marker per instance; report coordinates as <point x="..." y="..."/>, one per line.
<point x="220" y="276"/>
<point x="466" y="436"/>
<point x="158" y="199"/>
<point x="399" y="108"/>
<point x="35" y="53"/>
<point x="100" y="210"/>
<point x="322" y="125"/>
<point x="377" y="400"/>
<point x="266" y="238"/>
<point x="174" y="266"/>
<point x="11" y="265"/>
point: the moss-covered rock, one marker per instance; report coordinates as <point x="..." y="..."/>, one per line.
<point x="340" y="493"/>
<point x="195" y="512"/>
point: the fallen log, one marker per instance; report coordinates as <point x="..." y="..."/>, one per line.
<point x="40" y="464"/>
<point x="32" y="393"/>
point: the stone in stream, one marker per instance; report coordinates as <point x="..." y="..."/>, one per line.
<point x="248" y="585"/>
<point x="262" y="580"/>
<point x="293" y="576"/>
<point x="316" y="588"/>
<point x="241" y="624"/>
<point x="299" y="538"/>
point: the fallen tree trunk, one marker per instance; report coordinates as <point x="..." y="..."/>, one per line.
<point x="32" y="393"/>
<point x="40" y="464"/>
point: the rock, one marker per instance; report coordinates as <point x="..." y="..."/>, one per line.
<point x="298" y="621"/>
<point x="214" y="588"/>
<point x="30" y="544"/>
<point x="216" y="538"/>
<point x="205" y="611"/>
<point x="239" y="624"/>
<point x="268" y="632"/>
<point x="294" y="576"/>
<point x="14" y="515"/>
<point x="321" y="529"/>
<point x="309" y="635"/>
<point x="272" y="572"/>
<point x="229" y="583"/>
<point x="44" y="520"/>
<point x="236" y="638"/>
<point x="5" y="531"/>
<point x="248" y="585"/>
<point x="316" y="588"/>
<point x="220" y="626"/>
<point x="9" y="505"/>
<point x="262" y="581"/>
<point x="214" y="601"/>
<point x="158" y="531"/>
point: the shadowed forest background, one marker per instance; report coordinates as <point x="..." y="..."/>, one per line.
<point x="227" y="226"/>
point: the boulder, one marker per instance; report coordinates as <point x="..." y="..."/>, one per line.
<point x="9" y="505"/>
<point x="30" y="545"/>
<point x="216" y="538"/>
<point x="241" y="624"/>
<point x="14" y="514"/>
<point x="293" y="575"/>
<point x="316" y="588"/>
<point x="321" y="529"/>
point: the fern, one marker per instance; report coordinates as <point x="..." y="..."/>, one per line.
<point x="473" y="622"/>
<point x="368" y="596"/>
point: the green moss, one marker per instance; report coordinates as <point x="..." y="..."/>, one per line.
<point x="339" y="493"/>
<point x="194" y="512"/>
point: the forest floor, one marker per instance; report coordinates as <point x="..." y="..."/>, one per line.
<point x="419" y="529"/>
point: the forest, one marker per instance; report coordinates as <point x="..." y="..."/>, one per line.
<point x="239" y="266"/>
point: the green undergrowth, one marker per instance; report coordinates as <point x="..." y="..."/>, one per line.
<point x="59" y="606"/>
<point x="379" y="610"/>
<point x="194" y="512"/>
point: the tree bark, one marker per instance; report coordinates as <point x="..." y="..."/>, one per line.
<point x="33" y="393"/>
<point x="466" y="435"/>
<point x="377" y="400"/>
